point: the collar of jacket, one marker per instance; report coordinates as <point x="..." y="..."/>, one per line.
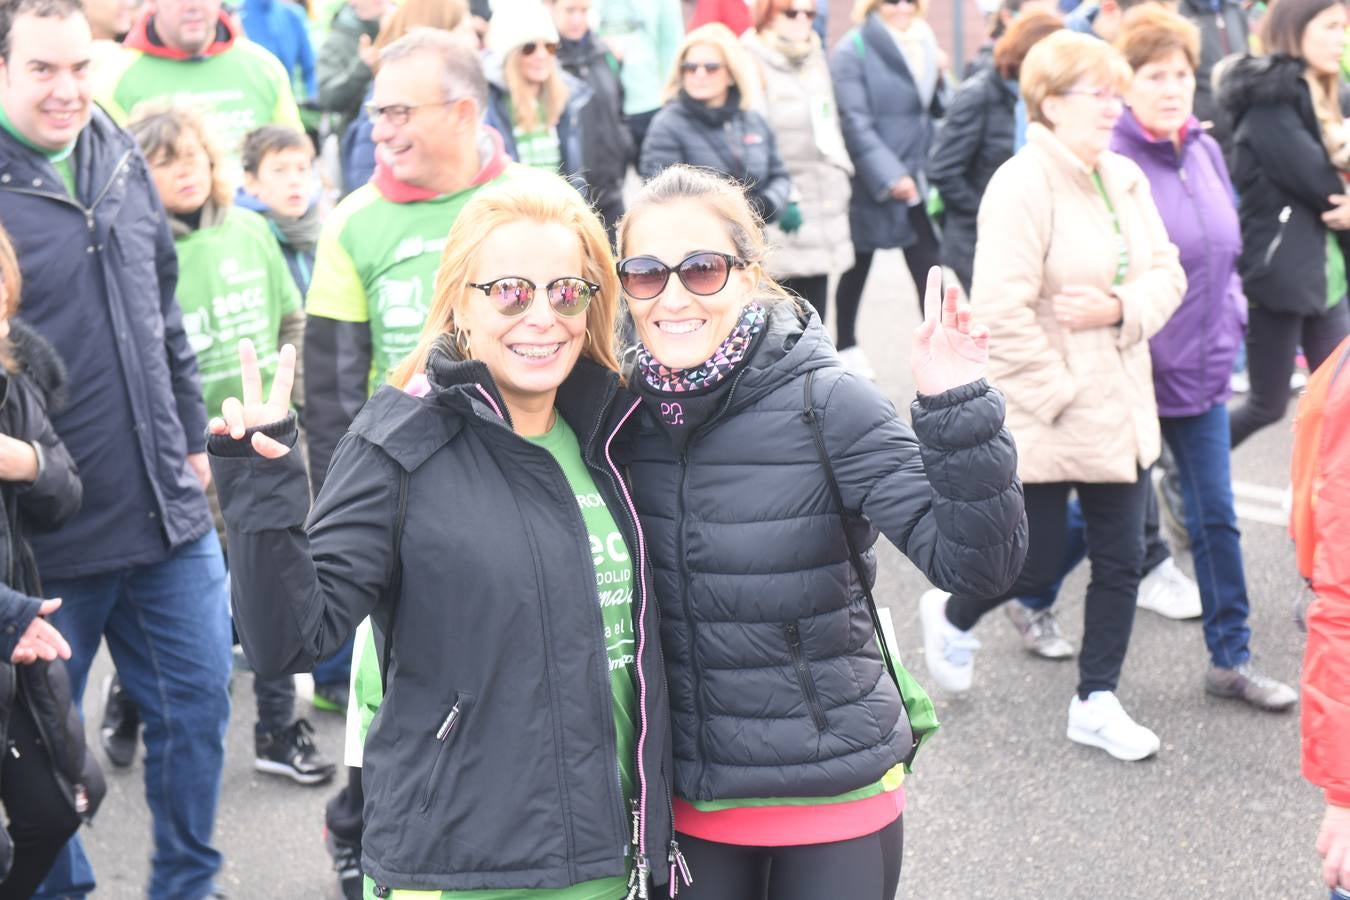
<point x="1046" y="139"/>
<point x="586" y="398"/>
<point x="579" y="52"/>
<point x="98" y="150"/>
<point x="1262" y="80"/>
<point x="713" y="116"/>
<point x="39" y="361"/>
<point x="1143" y="142"/>
<point x="143" y="37"/>
<point x="490" y="151"/>
<point x="877" y="39"/>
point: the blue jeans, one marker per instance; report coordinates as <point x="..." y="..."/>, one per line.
<point x="336" y="669"/>
<point x="168" y="629"/>
<point x="1199" y="445"/>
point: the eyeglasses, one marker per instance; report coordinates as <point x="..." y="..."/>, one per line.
<point x="528" y="49"/>
<point x="897" y="2"/>
<point x="1101" y="95"/>
<point x="704" y="273"/>
<point x="513" y="296"/>
<point x="689" y="68"/>
<point x="794" y="13"/>
<point x="397" y="114"/>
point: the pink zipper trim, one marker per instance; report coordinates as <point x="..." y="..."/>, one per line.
<point x="493" y="403"/>
<point x="641" y="639"/>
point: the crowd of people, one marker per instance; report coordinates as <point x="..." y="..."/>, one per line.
<point x="268" y="284"/>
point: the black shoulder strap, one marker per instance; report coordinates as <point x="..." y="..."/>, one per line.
<point x="395" y="585"/>
<point x="855" y="556"/>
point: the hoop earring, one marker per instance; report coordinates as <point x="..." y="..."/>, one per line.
<point x="462" y="343"/>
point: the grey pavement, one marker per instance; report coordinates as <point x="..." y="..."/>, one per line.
<point x="1002" y="805"/>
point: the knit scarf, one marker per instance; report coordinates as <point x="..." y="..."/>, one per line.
<point x="795" y="52"/>
<point x="299" y="233"/>
<point x="210" y="215"/>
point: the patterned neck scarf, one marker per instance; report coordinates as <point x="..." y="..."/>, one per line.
<point x="723" y="361"/>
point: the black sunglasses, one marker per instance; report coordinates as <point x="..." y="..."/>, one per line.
<point x="794" y="13"/>
<point x="690" y="68"/>
<point x="512" y="296"/>
<point x="704" y="273"/>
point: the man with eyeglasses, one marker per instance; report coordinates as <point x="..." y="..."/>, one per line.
<point x="190" y="52"/>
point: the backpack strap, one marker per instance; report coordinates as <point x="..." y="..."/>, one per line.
<point x="858" y="44"/>
<point x="391" y="591"/>
<point x="854" y="554"/>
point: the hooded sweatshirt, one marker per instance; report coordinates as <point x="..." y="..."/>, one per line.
<point x="236" y="84"/>
<point x="281" y="28"/>
<point x="371" y="290"/>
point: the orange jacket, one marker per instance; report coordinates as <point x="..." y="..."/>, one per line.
<point x="1320" y="525"/>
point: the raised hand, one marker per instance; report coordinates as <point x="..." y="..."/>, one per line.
<point x="950" y="349"/>
<point x="40" y="640"/>
<point x="237" y="416"/>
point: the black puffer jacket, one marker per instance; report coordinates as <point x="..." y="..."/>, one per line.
<point x="43" y="505"/>
<point x="496" y="615"/>
<point x="738" y="142"/>
<point x="1223" y="33"/>
<point x="753" y="574"/>
<point x="1283" y="177"/>
<point x="609" y="147"/>
<point x="972" y="142"/>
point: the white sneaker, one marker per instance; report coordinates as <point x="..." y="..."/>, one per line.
<point x="1102" y="722"/>
<point x="1240" y="382"/>
<point x="856" y="362"/>
<point x="949" y="651"/>
<point x="1169" y="593"/>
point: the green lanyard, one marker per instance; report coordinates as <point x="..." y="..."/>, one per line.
<point x="1122" y="251"/>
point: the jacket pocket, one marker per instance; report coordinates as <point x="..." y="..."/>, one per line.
<point x="804" y="676"/>
<point x="1278" y="239"/>
<point x="447" y="730"/>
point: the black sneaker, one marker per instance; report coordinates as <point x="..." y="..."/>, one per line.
<point x="291" y="752"/>
<point x="331" y="697"/>
<point x="346" y="858"/>
<point x="121" y="724"/>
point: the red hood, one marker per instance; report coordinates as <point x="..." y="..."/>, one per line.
<point x="397" y="191"/>
<point x="144" y="38"/>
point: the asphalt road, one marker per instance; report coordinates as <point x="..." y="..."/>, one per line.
<point x="1002" y="804"/>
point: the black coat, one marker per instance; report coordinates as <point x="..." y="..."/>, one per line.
<point x="496" y="612"/>
<point x="1223" y="33"/>
<point x="738" y="142"/>
<point x="972" y="142"/>
<point x="608" y="146"/>
<point x="1283" y="177"/>
<point x="45" y="504"/>
<point x="777" y="686"/>
<point x="99" y="276"/>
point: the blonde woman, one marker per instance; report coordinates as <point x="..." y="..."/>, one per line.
<point x="888" y="79"/>
<point x="1074" y="272"/>
<point x="798" y="102"/>
<point x="1291" y="151"/>
<point x="522" y="743"/>
<point x="532" y="102"/>
<point x="707" y="122"/>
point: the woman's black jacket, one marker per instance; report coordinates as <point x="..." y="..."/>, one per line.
<point x="973" y="140"/>
<point x="1283" y="177"/>
<point x="777" y="685"/>
<point x="488" y="605"/>
<point x="53" y="498"/>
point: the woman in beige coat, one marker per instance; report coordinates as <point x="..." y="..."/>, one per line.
<point x="1074" y="273"/>
<point x="798" y="101"/>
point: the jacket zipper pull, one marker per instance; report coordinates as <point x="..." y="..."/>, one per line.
<point x="637" y="825"/>
<point x="642" y="872"/>
<point x="677" y="860"/>
<point x="449" y="724"/>
<point x="632" y="885"/>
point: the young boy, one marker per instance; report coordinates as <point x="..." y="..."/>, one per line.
<point x="232" y="284"/>
<point x="279" y="181"/>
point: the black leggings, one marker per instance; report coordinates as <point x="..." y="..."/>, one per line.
<point x="40" y="818"/>
<point x="920" y="256"/>
<point x="814" y="289"/>
<point x="865" y="868"/>
<point x="1272" y="340"/>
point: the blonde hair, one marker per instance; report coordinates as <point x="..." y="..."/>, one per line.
<point x="446" y="15"/>
<point x="1058" y="62"/>
<point x="724" y="198"/>
<point x="11" y="277"/>
<point x="719" y="37"/>
<point x="531" y="196"/>
<point x="864" y="8"/>
<point x="159" y="127"/>
<point x="524" y="103"/>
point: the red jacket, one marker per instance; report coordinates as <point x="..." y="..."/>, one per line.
<point x="1321" y="528"/>
<point x="735" y="14"/>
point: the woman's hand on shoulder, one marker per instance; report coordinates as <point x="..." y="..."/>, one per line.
<point x="950" y="347"/>
<point x="237" y="416"/>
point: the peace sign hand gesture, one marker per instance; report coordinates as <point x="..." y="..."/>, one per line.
<point x="949" y="349"/>
<point x="237" y="417"/>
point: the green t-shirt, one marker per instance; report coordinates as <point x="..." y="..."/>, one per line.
<point x="60" y="159"/>
<point x="233" y="283"/>
<point x="536" y="147"/>
<point x="1122" y="250"/>
<point x="376" y="263"/>
<point x="614" y="592"/>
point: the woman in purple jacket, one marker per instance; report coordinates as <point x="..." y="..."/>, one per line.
<point x="1193" y="354"/>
